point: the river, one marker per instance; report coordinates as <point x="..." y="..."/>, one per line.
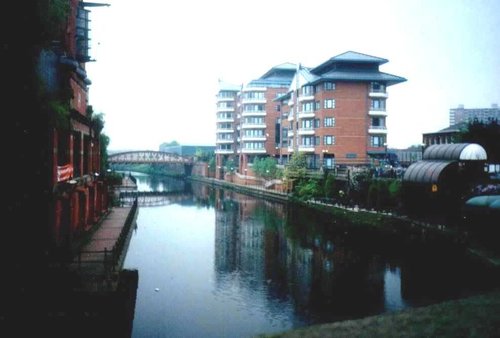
<point x="214" y="263"/>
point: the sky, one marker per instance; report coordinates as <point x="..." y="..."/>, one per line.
<point x="157" y="63"/>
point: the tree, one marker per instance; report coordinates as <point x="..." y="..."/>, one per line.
<point x="296" y="167"/>
<point x="265" y="167"/>
<point x="329" y="186"/>
<point x="485" y="134"/>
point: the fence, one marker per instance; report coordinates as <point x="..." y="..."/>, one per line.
<point x="105" y="261"/>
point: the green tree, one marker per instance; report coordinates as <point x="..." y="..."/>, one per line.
<point x="297" y="167"/>
<point x="329" y="186"/>
<point x="265" y="167"/>
<point x="308" y="189"/>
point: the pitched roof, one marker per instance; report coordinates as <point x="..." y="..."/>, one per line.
<point x="455" y="128"/>
<point x="351" y="56"/>
<point x="362" y="76"/>
<point x="228" y="86"/>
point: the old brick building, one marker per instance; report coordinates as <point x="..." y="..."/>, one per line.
<point x="79" y="193"/>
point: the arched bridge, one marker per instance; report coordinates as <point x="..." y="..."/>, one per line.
<point x="148" y="156"/>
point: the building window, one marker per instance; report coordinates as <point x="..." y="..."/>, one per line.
<point x="307" y="90"/>
<point x="253" y="145"/>
<point x="308" y="141"/>
<point x="253" y="95"/>
<point x="317" y="105"/>
<point x="316" y="123"/>
<point x="328" y="140"/>
<point x="307" y="107"/>
<point x="329" y="85"/>
<point x="377" y="87"/>
<point x="306" y="124"/>
<point x="329" y="162"/>
<point x="329" y="121"/>
<point x="253" y="108"/>
<point x="329" y="103"/>
<point x="377" y="104"/>
<point x="351" y="155"/>
<point x="377" y="141"/>
<point x="378" y="122"/>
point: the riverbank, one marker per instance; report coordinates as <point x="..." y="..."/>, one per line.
<point x="475" y="316"/>
<point x="384" y="223"/>
<point x="466" y="317"/>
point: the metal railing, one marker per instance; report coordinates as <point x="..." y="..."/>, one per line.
<point x="105" y="261"/>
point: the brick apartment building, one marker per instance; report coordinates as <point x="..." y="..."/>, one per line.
<point x="79" y="193"/>
<point x="335" y="113"/>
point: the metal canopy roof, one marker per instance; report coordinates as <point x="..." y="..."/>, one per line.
<point x="457" y="151"/>
<point x="426" y="171"/>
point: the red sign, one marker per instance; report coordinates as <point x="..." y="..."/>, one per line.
<point x="64" y="172"/>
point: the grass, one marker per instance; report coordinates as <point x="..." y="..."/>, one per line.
<point x="476" y="316"/>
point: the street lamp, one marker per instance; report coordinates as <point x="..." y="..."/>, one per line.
<point x="385" y="145"/>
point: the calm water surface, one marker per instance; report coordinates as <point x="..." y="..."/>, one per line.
<point x="214" y="263"/>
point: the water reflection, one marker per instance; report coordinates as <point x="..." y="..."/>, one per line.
<point x="229" y="265"/>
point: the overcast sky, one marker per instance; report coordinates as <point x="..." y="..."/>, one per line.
<point x="158" y="62"/>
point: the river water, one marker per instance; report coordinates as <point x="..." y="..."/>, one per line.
<point x="214" y="263"/>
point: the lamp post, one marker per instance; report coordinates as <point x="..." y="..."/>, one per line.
<point x="385" y="146"/>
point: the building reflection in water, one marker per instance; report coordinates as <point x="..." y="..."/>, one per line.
<point x="327" y="270"/>
<point x="293" y="258"/>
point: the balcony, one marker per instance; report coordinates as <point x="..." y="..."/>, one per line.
<point x="225" y="99"/>
<point x="253" y="151"/>
<point x="378" y="93"/>
<point x="224" y="141"/>
<point x="253" y="126"/>
<point x="306" y="131"/>
<point x="224" y="130"/>
<point x="253" y="138"/>
<point x="377" y="112"/>
<point x="306" y="114"/>
<point x="254" y="89"/>
<point x="225" y="109"/>
<point x="254" y="113"/>
<point x="309" y="97"/>
<point x="306" y="148"/>
<point x="225" y="119"/>
<point x="253" y="100"/>
<point x="224" y="151"/>
<point x="377" y="130"/>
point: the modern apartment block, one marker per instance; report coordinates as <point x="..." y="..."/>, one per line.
<point x="335" y="113"/>
<point x="248" y="116"/>
<point x="461" y="114"/>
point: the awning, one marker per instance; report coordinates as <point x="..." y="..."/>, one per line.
<point x="455" y="151"/>
<point x="427" y="172"/>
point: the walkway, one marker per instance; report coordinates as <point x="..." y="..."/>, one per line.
<point x="101" y="258"/>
